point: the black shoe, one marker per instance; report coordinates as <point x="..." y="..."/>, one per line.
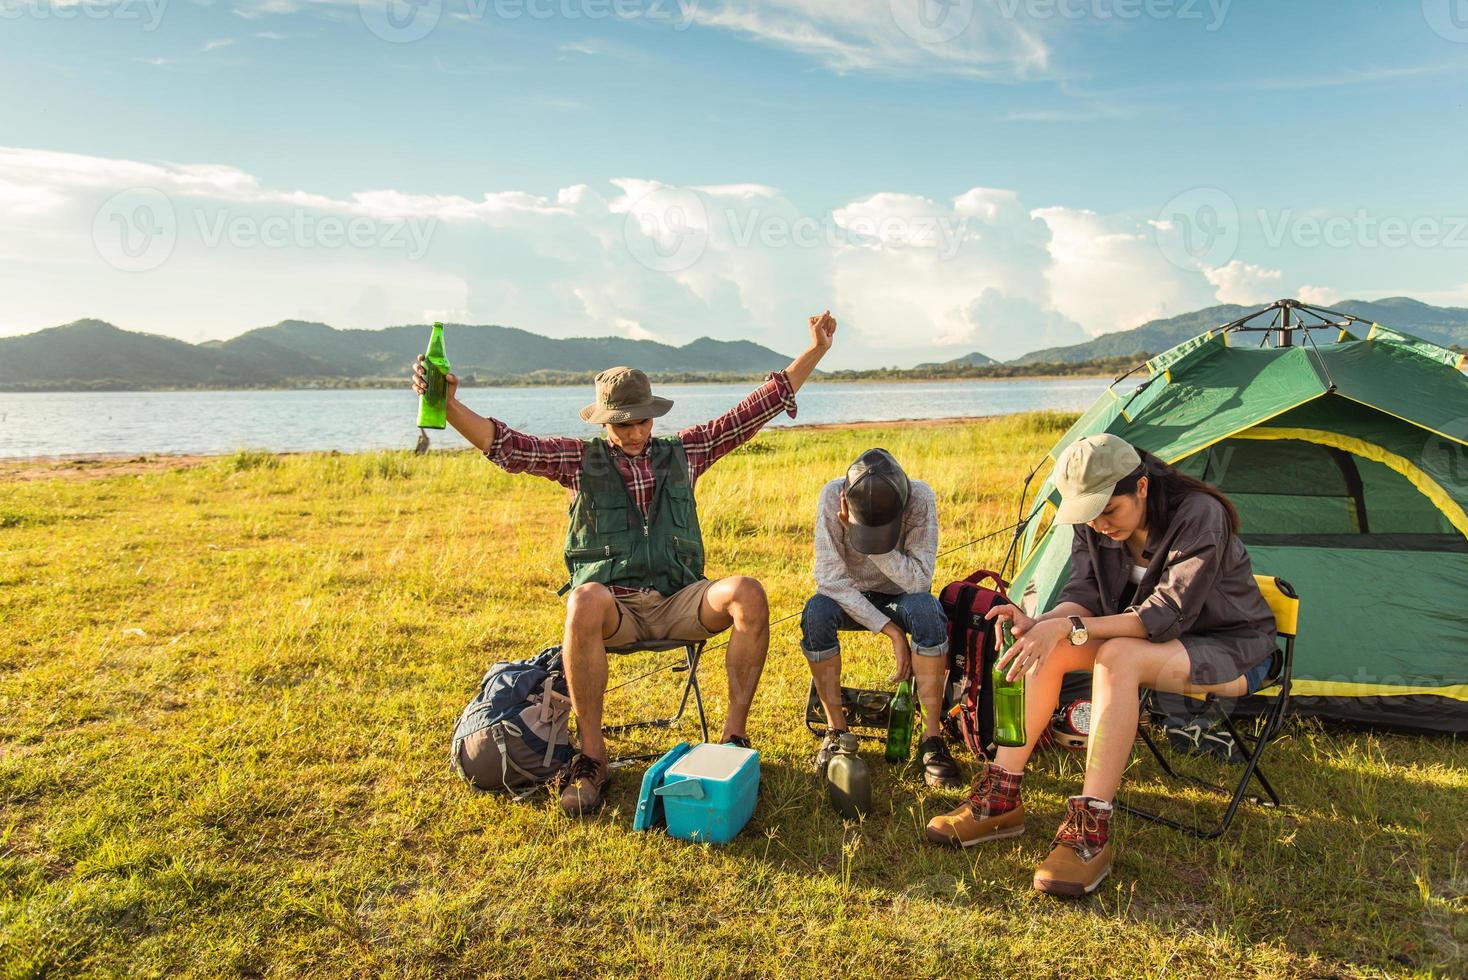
<point x="939" y="769"/>
<point x="739" y="740"/>
<point x="827" y="751"/>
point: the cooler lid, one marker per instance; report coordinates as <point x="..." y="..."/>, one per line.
<point x="710" y="761"/>
<point x="650" y="806"/>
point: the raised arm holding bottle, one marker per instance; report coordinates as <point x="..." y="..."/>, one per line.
<point x="634" y="552"/>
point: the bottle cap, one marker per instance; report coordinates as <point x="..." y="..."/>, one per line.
<point x="848" y="743"/>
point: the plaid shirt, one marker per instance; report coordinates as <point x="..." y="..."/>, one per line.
<point x="559" y="457"/>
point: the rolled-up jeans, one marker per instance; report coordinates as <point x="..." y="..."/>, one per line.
<point x="918" y="613"/>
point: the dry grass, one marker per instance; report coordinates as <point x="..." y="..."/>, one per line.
<point x="226" y="693"/>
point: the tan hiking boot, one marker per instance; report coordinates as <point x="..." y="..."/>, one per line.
<point x="1081" y="858"/>
<point x="583" y="785"/>
<point x="992" y="811"/>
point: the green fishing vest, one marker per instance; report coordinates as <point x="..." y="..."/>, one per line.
<point x="610" y="542"/>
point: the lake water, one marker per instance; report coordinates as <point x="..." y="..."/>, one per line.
<point x="203" y="422"/>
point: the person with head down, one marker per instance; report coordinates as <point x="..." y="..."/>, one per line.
<point x="875" y="548"/>
<point x="1161" y="595"/>
<point x="634" y="550"/>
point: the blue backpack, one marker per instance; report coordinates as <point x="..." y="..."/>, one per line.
<point x="514" y="735"/>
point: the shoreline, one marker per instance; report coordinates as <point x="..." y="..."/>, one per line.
<point x="95" y="465"/>
<point x="387" y="385"/>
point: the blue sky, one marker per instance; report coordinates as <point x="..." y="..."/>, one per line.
<point x="1001" y="175"/>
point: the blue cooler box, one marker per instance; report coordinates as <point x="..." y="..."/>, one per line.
<point x="704" y="793"/>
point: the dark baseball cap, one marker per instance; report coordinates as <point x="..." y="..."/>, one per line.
<point x="876" y="497"/>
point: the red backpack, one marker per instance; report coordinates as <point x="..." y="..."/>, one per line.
<point x="968" y="704"/>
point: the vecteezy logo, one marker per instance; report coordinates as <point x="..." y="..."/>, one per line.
<point x="1445" y="457"/>
<point x="1447" y="18"/>
<point x="667" y="230"/>
<point x="135" y="230"/>
<point x="932" y="21"/>
<point x="400" y="21"/>
<point x="1199" y="227"/>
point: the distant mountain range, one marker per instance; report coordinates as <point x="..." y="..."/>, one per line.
<point x="1446" y="325"/>
<point x="95" y="355"/>
<point x="92" y="354"/>
<point x="968" y="360"/>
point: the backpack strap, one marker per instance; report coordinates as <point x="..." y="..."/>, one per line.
<point x="548" y="698"/>
<point x="984" y="573"/>
<point x="506" y="764"/>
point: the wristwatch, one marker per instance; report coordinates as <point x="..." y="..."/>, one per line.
<point x="1078" y="634"/>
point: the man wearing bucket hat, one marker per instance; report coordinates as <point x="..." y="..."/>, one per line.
<point x="634" y="551"/>
<point x="1161" y="595"/>
<point x="876" y="544"/>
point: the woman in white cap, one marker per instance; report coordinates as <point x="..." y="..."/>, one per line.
<point x="1161" y="595"/>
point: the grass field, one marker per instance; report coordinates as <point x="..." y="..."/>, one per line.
<point x="226" y="693"/>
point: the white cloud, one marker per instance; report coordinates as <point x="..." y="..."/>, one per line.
<point x="1317" y="295"/>
<point x="911" y="278"/>
<point x="946" y="279"/>
<point x="1240" y="282"/>
<point x="1108" y="276"/>
<point x="969" y="37"/>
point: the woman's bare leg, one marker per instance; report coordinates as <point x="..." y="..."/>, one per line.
<point x="1122" y="667"/>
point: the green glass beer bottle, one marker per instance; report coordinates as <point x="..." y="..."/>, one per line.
<point x="899" y="723"/>
<point x="1009" y="697"/>
<point x="433" y="403"/>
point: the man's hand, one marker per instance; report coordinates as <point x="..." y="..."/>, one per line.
<point x="900" y="651"/>
<point x="843" y="514"/>
<point x="822" y="331"/>
<point x="420" y="378"/>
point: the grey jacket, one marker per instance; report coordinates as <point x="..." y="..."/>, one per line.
<point x="843" y="574"/>
<point x="1198" y="582"/>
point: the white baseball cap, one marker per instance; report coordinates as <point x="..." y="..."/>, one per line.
<point x="1088" y="473"/>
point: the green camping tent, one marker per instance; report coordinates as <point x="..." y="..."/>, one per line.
<point x="1347" y="456"/>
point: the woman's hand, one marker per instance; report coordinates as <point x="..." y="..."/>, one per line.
<point x="1029" y="653"/>
<point x="1019" y="623"/>
<point x="420" y="379"/>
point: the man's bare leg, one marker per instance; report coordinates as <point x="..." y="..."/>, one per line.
<point x="739" y="602"/>
<point x="591" y="616"/>
<point x="930" y="674"/>
<point x="827" y="677"/>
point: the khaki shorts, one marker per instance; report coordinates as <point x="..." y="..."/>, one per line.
<point x="652" y="616"/>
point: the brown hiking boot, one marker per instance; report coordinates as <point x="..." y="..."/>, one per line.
<point x="583" y="785"/>
<point x="992" y="811"/>
<point x="1081" y="858"/>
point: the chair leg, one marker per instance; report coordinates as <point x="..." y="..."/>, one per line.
<point x="1252" y="767"/>
<point x="1237" y="796"/>
<point x="692" y="653"/>
<point x="695" y="654"/>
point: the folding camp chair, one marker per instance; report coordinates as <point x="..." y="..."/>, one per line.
<point x="1285" y="605"/>
<point x="692" y="652"/>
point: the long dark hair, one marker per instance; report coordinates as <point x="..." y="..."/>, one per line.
<point x="1174" y="487"/>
